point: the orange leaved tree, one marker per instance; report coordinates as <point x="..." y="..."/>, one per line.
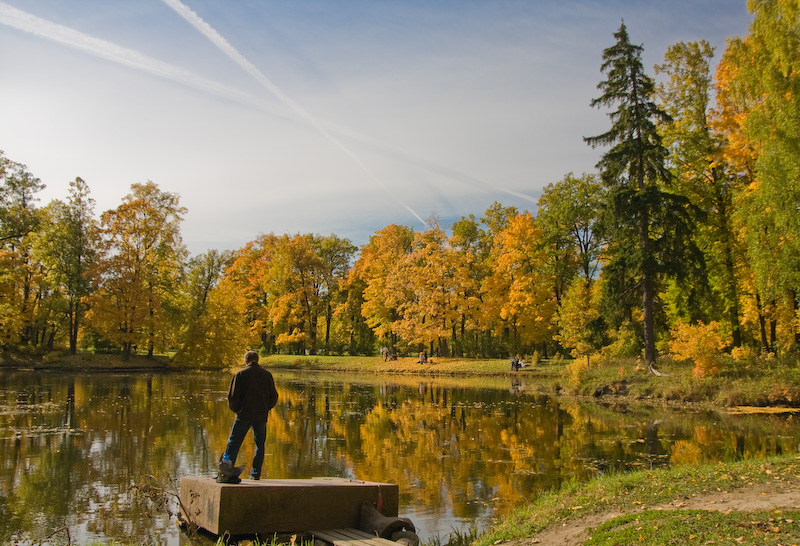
<point x="139" y="269"/>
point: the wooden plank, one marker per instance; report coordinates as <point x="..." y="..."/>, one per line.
<point x="351" y="537"/>
<point x="344" y="537"/>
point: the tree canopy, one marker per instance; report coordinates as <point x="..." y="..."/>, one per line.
<point x="690" y="226"/>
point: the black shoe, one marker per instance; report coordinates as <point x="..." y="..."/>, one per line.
<point x="228" y="473"/>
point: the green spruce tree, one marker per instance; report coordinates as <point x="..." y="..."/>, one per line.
<point x="649" y="228"/>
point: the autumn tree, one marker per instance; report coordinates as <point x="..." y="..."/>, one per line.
<point x="139" y="269"/>
<point x="336" y="255"/>
<point x="357" y="335"/>
<point x="250" y="272"/>
<point x="581" y="328"/>
<point x="10" y="317"/>
<point x="216" y="326"/>
<point x="496" y="218"/>
<point x="18" y="210"/>
<point x="703" y="175"/>
<point x="426" y="288"/>
<point x="518" y="297"/>
<point x="650" y="227"/>
<point x="212" y="321"/>
<point x="294" y="277"/>
<point x="568" y="213"/>
<point x="765" y="67"/>
<point x="472" y="246"/>
<point x="727" y="119"/>
<point x="68" y="247"/>
<point x="19" y="218"/>
<point x="376" y="263"/>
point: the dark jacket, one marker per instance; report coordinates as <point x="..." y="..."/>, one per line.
<point x="252" y="394"/>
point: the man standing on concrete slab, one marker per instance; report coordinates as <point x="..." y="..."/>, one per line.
<point x="251" y="395"/>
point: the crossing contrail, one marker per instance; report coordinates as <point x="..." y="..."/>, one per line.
<point x="21" y="20"/>
<point x="131" y="58"/>
<point x="218" y="40"/>
<point x="405" y="157"/>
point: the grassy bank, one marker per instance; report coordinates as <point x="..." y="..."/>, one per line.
<point x="81" y="362"/>
<point x="668" y="506"/>
<point x="403" y="365"/>
<point x="758" y="383"/>
<point x="762" y="382"/>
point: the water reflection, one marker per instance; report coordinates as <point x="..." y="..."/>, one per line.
<point x="461" y="450"/>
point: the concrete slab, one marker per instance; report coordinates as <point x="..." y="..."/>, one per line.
<point x="266" y="507"/>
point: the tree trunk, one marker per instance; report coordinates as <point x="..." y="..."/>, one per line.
<point x="647" y="318"/>
<point x="73" y="329"/>
<point x="328" y="319"/>
<point x="648" y="290"/>
<point x="796" y="306"/>
<point x="762" y="324"/>
<point x="730" y="271"/>
<point x="773" y="334"/>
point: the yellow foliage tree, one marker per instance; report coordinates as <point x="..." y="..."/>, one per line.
<point x="249" y="272"/>
<point x="427" y="288"/>
<point x="141" y="262"/>
<point x="701" y="343"/>
<point x="11" y="319"/>
<point x="224" y="333"/>
<point x="378" y="259"/>
<point x="295" y="278"/>
<point x="519" y="292"/>
<point x="579" y="309"/>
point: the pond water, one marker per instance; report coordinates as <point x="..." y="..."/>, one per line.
<point x="463" y="451"/>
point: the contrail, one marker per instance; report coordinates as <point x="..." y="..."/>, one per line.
<point x="131" y="58"/>
<point x="403" y="156"/>
<point x="197" y="22"/>
<point x="21" y="20"/>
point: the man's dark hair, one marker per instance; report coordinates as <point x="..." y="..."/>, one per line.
<point x="250" y="356"/>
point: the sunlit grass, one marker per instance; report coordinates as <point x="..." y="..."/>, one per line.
<point x="700" y="527"/>
<point x="376" y="364"/>
<point x="646" y="489"/>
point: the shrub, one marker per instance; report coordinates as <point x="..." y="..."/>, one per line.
<point x="625" y="342"/>
<point x="743" y="353"/>
<point x="575" y="371"/>
<point x="700" y="343"/>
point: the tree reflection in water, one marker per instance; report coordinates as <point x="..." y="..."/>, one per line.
<point x="462" y="450"/>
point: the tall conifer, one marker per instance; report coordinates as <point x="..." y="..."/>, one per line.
<point x="649" y="225"/>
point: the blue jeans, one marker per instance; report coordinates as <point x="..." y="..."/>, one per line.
<point x="238" y="432"/>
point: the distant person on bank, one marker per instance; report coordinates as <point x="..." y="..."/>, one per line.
<point x="251" y="395"/>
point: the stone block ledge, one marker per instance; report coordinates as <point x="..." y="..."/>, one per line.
<point x="266" y="507"/>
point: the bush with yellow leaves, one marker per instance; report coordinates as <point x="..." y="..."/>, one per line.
<point x="701" y="343"/>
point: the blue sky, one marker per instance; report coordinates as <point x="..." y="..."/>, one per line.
<point x="320" y="116"/>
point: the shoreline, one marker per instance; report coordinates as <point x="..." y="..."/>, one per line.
<point x="751" y="389"/>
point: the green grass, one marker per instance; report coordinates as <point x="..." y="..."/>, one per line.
<point x="699" y="527"/>
<point x="639" y="492"/>
<point x="764" y="382"/>
<point x="456" y="538"/>
<point x="403" y="365"/>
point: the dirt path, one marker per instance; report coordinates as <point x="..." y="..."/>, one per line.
<point x="769" y="496"/>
